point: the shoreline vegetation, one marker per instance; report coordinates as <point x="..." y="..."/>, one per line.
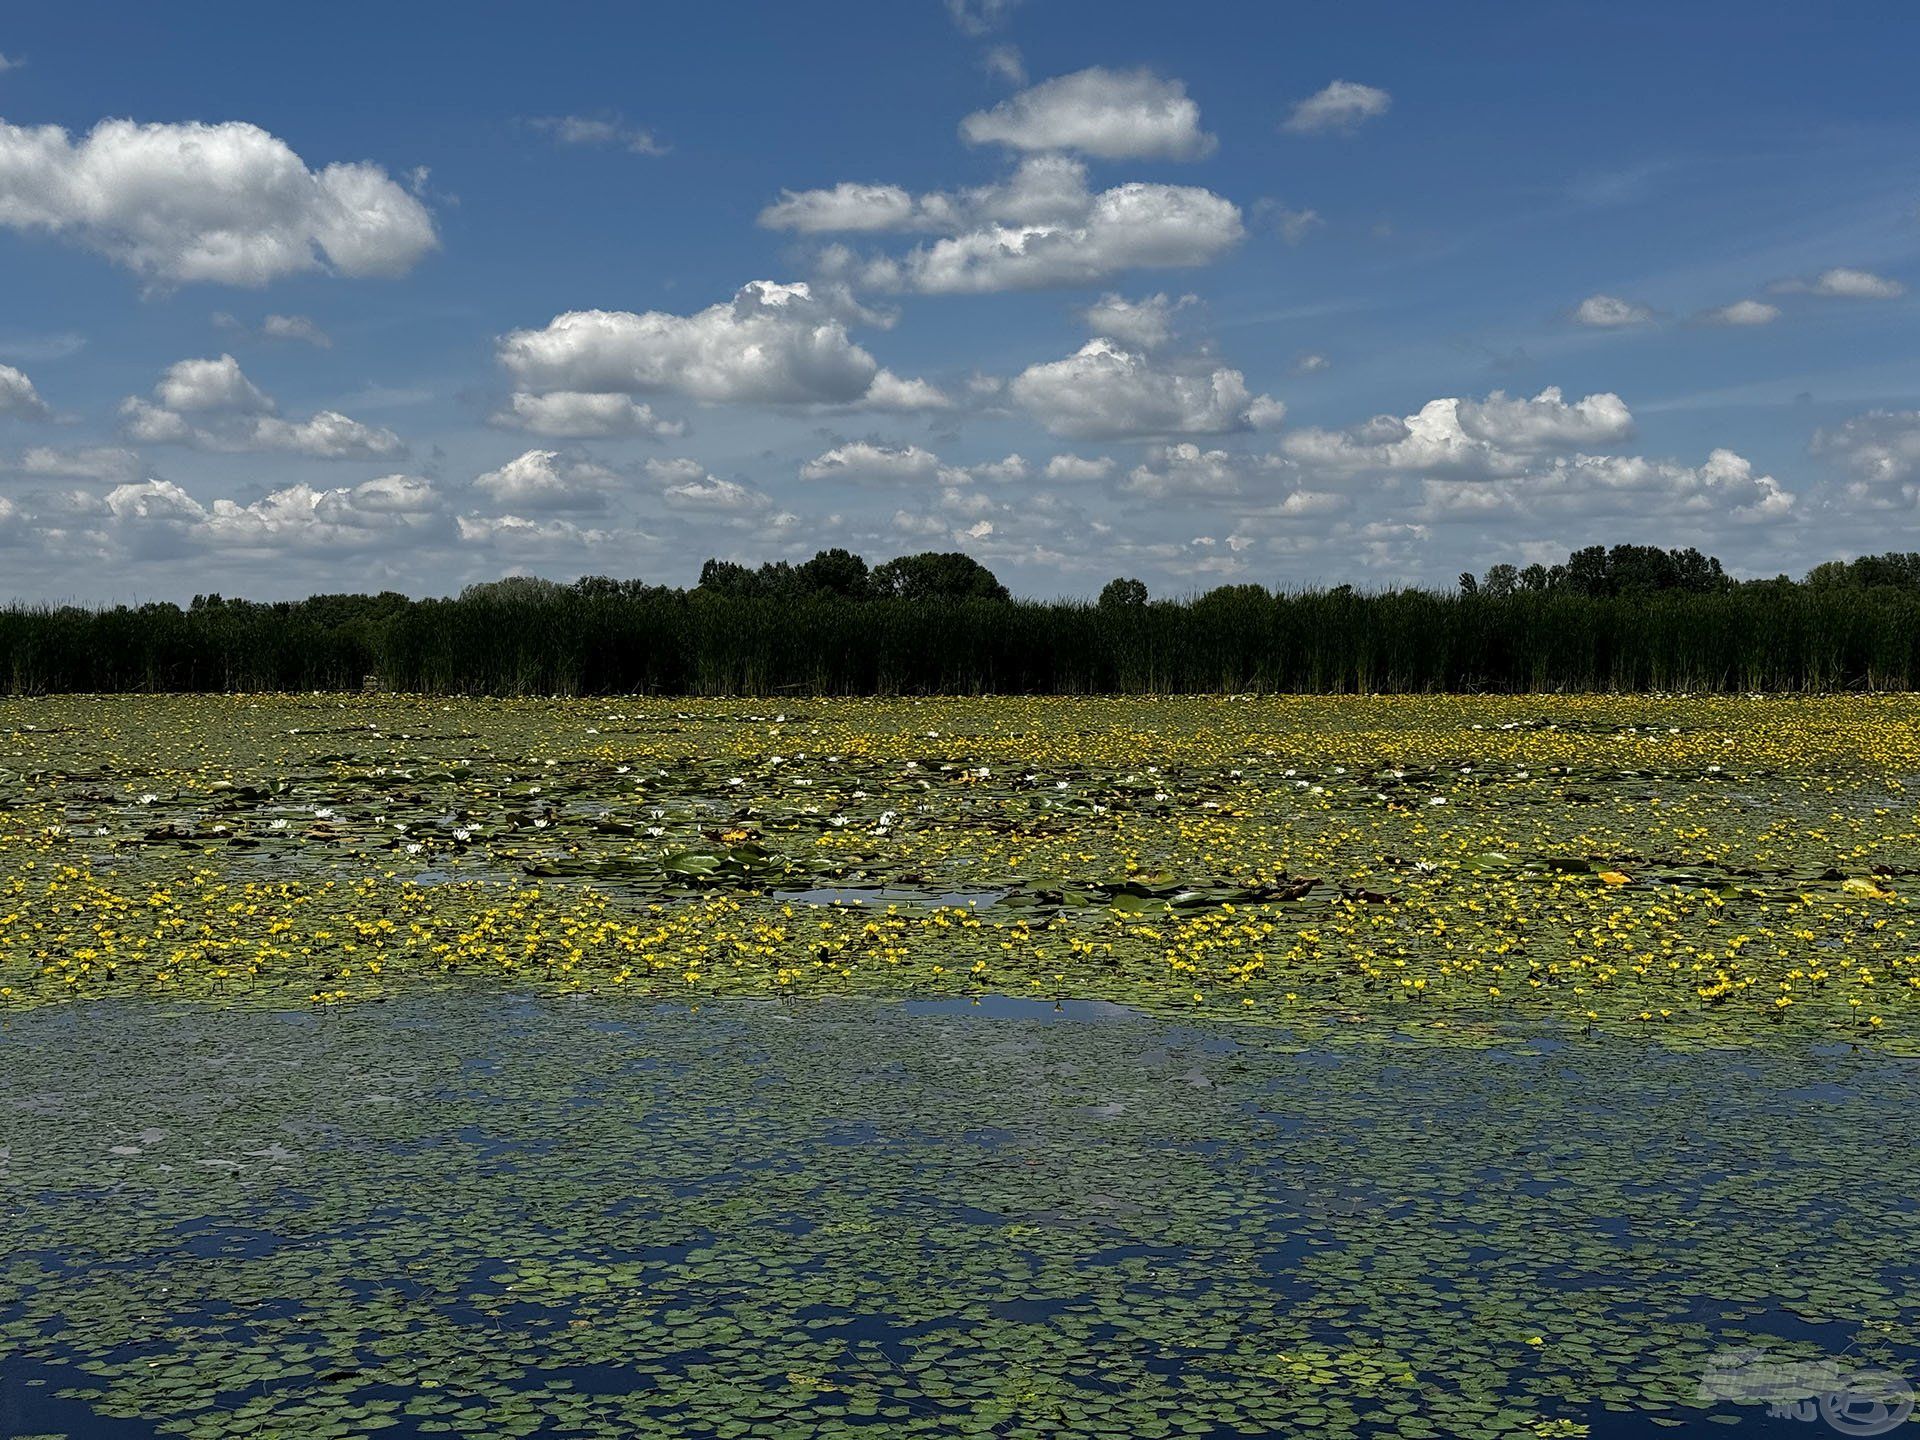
<point x="1629" y="619"/>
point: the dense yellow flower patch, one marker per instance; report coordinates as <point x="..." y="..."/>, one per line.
<point x="1695" y="868"/>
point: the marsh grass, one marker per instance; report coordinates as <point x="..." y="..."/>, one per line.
<point x="1243" y="638"/>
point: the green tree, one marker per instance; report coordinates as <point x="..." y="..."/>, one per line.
<point x="937" y="575"/>
<point x="729" y="578"/>
<point x="833" y="572"/>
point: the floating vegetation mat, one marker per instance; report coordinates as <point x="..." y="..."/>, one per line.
<point x="499" y="1215"/>
<point x="1683" y="871"/>
<point x="995" y="1068"/>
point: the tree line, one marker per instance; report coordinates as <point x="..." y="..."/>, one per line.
<point x="1619" y="618"/>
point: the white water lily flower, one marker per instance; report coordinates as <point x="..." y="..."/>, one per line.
<point x="148" y="798"/>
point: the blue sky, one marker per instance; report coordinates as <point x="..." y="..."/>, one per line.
<point x="406" y="296"/>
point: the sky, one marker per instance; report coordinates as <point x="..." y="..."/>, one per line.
<point x="357" y="297"/>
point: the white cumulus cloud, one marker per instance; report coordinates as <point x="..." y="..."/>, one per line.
<point x="18" y="397"/>
<point x="1105" y="391"/>
<point x="1723" y="489"/>
<point x="296" y="327"/>
<point x="326" y="435"/>
<point x="1546" y="422"/>
<point x="890" y="392"/>
<point x="711" y="494"/>
<point x="1041" y="226"/>
<point x="156" y="515"/>
<point x="1610" y="312"/>
<point x="1132" y="226"/>
<point x="1881" y="448"/>
<point x="1848" y="284"/>
<point x="577" y="414"/>
<point x="600" y="130"/>
<point x="1146" y="324"/>
<point x="212" y="405"/>
<point x="771" y="344"/>
<point x="1341" y="108"/>
<point x="227" y="203"/>
<point x="1109" y="114"/>
<point x="862" y="460"/>
<point x="93" y="462"/>
<point x="851" y="206"/>
<point x="216" y="384"/>
<point x="1742" y="313"/>
<point x="1080" y="467"/>
<point x="1464" y="438"/>
<point x="547" y="480"/>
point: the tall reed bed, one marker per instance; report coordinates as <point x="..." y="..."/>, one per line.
<point x="564" y="641"/>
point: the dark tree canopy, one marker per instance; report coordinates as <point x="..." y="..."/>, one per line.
<point x="513" y="587"/>
<point x="1599" y="572"/>
<point x="937" y="575"/>
<point x="1896" y="568"/>
<point x="1625" y="617"/>
<point x="833" y="572"/>
<point x="841" y="574"/>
